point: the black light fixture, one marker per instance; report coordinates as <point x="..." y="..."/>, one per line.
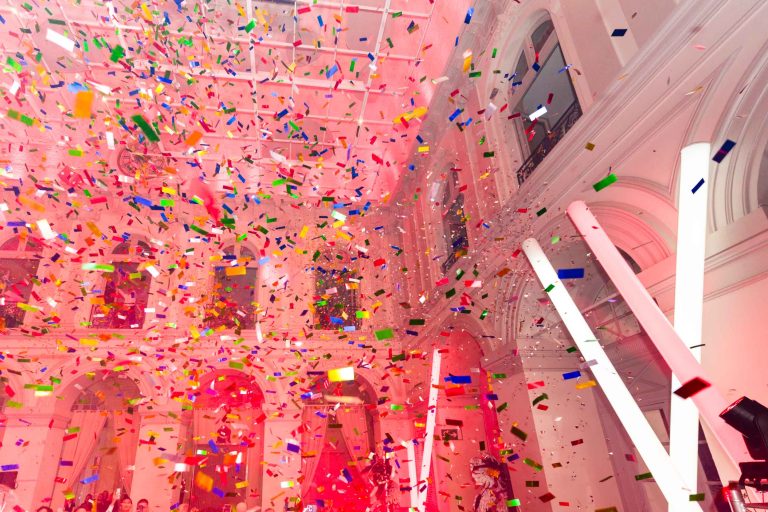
<point x="751" y="419"/>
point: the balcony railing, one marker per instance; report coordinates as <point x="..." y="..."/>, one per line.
<point x="568" y="119"/>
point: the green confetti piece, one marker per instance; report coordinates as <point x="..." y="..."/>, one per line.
<point x="540" y="398"/>
<point x="236" y="365"/>
<point x="643" y="476"/>
<point x="417" y="321"/>
<point x="533" y="464"/>
<point x="250" y="26"/>
<point x="396" y="407"/>
<point x="696" y="497"/>
<point x="167" y="202"/>
<point x="117" y="53"/>
<point x="198" y="230"/>
<point x="384" y="334"/>
<point x="515" y="502"/>
<point x="98" y="266"/>
<point x="499" y="375"/>
<point x="519" y="433"/>
<point x="15" y="405"/>
<point x="145" y="127"/>
<point x="541" y="212"/>
<point x="75" y="152"/>
<point x="488" y="154"/>
<point x="600" y="185"/>
<point x="549" y="288"/>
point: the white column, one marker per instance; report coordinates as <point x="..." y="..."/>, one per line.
<point x="689" y="301"/>
<point x="32" y="441"/>
<point x="160" y="437"/>
<point x="282" y="468"/>
<point x="629" y="413"/>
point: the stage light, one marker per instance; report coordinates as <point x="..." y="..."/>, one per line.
<point x="751" y="419"/>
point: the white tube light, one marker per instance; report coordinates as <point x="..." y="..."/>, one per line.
<point x="710" y="402"/>
<point x="689" y="301"/>
<point x="429" y="436"/>
<point x="635" y="423"/>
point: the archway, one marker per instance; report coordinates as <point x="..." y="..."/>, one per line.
<point x="341" y="431"/>
<point x="225" y="442"/>
<point x="99" y="445"/>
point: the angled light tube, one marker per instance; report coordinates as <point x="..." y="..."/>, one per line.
<point x="632" y="418"/>
<point x="678" y="356"/>
<point x="689" y="301"/>
<point x="429" y="436"/>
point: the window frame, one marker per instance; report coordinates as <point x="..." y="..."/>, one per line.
<point x="29" y="250"/>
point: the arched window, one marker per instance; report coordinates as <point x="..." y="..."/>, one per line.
<point x="454" y="225"/>
<point x="18" y="268"/>
<point x="341" y="430"/>
<point x="233" y="300"/>
<point x="101" y="439"/>
<point x="126" y="289"/>
<point x="336" y="293"/>
<point x="543" y="95"/>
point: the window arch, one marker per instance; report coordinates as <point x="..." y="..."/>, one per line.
<point x="125" y="295"/>
<point x="337" y="296"/>
<point x="19" y="261"/>
<point x="454" y="224"/>
<point x="235" y="281"/>
<point x="541" y="84"/>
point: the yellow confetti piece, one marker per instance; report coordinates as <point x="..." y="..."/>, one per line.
<point x="304" y="232"/>
<point x="235" y="271"/>
<point x="341" y="374"/>
<point x="587" y="384"/>
<point x="83" y="102"/>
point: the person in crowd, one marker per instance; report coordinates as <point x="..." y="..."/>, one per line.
<point x="142" y="505"/>
<point x="124" y="504"/>
<point x="44" y="508"/>
<point x="83" y="507"/>
<point x="103" y="500"/>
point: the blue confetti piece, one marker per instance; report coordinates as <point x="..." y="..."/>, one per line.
<point x="459" y="379"/>
<point x="618" y="32"/>
<point x="726" y="148"/>
<point x="570" y="273"/>
<point x="572" y="375"/>
<point x="468" y="17"/>
<point x="90" y="479"/>
<point x="212" y="445"/>
<point x="698" y="186"/>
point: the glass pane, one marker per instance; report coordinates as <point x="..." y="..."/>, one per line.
<point x="541" y="34"/>
<point x="336" y="299"/>
<point x="522" y="67"/>
<point x="232" y="304"/>
<point x="15" y="287"/>
<point x="126" y="294"/>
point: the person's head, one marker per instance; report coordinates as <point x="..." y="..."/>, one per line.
<point x="142" y="505"/>
<point x="124" y="504"/>
<point x="241" y="507"/>
<point x="44" y="509"/>
<point x="81" y="508"/>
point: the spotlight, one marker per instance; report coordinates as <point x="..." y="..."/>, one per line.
<point x="751" y="419"/>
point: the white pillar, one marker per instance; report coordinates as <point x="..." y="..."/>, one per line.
<point x="282" y="468"/>
<point x="161" y="437"/>
<point x="689" y="301"/>
<point x="32" y="441"/>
